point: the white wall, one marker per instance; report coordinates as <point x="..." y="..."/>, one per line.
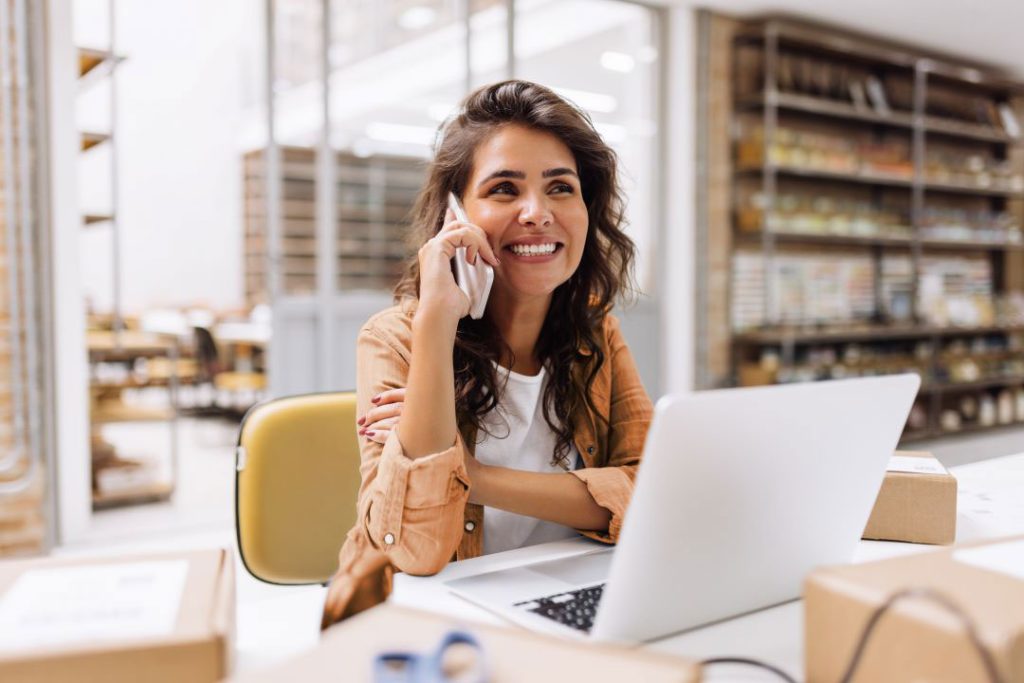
<point x="180" y="105"/>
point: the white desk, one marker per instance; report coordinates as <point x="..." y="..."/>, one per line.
<point x="990" y="504"/>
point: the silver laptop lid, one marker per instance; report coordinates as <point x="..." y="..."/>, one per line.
<point x="742" y="492"/>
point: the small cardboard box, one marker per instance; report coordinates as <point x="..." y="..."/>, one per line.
<point x="917" y="502"/>
<point x="347" y="650"/>
<point x="918" y="639"/>
<point x="167" y="617"/>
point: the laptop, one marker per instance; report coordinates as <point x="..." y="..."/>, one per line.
<point x="740" y="493"/>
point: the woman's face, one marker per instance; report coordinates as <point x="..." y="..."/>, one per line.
<point x="525" y="193"/>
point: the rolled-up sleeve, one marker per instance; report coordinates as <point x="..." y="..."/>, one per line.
<point x="630" y="413"/>
<point x="411" y="510"/>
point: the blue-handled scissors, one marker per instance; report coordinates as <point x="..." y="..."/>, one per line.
<point x="412" y="667"/>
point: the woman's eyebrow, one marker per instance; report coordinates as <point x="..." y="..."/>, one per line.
<point x="552" y="172"/>
<point x="519" y="175"/>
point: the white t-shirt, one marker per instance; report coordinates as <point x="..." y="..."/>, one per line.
<point x="529" y="445"/>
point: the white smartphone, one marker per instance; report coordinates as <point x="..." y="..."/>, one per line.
<point x="474" y="280"/>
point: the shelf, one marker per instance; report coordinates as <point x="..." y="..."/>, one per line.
<point x="973" y="245"/>
<point x="90" y="140"/>
<point x="827" y="239"/>
<point x="958" y="188"/>
<point x="106" y="413"/>
<point x="969" y="131"/>
<point x="150" y="493"/>
<point x="93" y="64"/>
<point x="792" y="237"/>
<point x="864" y="333"/>
<point x="880" y="180"/>
<point x="990" y="383"/>
<point x="843" y="110"/>
<point x="818" y="105"/>
<point x="95" y="218"/>
<point x="819" y="174"/>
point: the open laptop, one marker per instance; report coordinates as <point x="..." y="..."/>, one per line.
<point x="741" y="492"/>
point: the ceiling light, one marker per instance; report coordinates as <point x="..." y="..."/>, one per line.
<point x="590" y="101"/>
<point x="617" y="61"/>
<point x="417" y="18"/>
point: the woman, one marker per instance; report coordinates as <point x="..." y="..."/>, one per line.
<point x="524" y="426"/>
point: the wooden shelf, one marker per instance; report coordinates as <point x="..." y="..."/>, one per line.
<point x="90" y="140"/>
<point x="827" y="239"/>
<point x="901" y="120"/>
<point x="754" y="237"/>
<point x="861" y="334"/>
<point x="106" y="413"/>
<point x="880" y="180"/>
<point x="96" y="218"/>
<point x="151" y="493"/>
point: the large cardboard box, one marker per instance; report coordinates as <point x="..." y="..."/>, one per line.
<point x="167" y="617"/>
<point x="917" y="502"/>
<point x="918" y="639"/>
<point x="347" y="651"/>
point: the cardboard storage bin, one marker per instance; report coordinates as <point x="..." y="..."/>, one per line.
<point x="347" y="651"/>
<point x="167" y="617"/>
<point x="917" y="502"/>
<point x="918" y="638"/>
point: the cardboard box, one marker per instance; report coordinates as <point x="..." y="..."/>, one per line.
<point x="167" y="617"/>
<point x="918" y="639"/>
<point x="917" y="502"/>
<point x="347" y="651"/>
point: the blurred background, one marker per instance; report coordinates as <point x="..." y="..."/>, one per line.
<point x="202" y="202"/>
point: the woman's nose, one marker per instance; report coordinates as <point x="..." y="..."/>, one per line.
<point x="535" y="212"/>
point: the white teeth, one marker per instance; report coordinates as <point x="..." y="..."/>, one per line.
<point x="533" y="249"/>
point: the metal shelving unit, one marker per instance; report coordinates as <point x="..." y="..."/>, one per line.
<point x="775" y="38"/>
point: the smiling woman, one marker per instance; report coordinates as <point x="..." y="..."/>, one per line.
<point x="524" y="426"/>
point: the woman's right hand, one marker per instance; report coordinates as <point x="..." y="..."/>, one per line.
<point x="439" y="293"/>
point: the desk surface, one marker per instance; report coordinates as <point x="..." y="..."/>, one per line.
<point x="990" y="503"/>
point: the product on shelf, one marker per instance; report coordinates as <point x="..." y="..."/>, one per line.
<point x="857" y="154"/>
<point x="822" y="214"/>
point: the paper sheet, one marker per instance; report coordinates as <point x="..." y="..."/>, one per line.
<point x="63" y="605"/>
<point x="1007" y="558"/>
<point x="908" y="463"/>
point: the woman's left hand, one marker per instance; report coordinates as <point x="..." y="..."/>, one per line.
<point x="378" y="421"/>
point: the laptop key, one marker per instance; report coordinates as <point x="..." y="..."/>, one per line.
<point x="576" y="609"/>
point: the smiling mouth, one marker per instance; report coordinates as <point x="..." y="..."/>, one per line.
<point x="534" y="249"/>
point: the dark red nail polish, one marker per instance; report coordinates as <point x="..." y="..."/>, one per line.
<point x="360" y="421"/>
<point x="374" y="399"/>
<point x="369" y="434"/>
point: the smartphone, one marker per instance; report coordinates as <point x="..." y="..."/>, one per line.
<point x="474" y="280"/>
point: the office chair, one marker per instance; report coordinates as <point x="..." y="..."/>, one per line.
<point x="296" y="484"/>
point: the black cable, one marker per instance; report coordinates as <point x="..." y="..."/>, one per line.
<point x="934" y="596"/>
<point x="748" y="662"/>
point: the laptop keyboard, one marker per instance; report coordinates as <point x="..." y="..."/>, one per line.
<point x="575" y="609"/>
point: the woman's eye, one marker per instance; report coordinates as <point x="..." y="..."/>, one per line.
<point x="563" y="187"/>
<point x="503" y="188"/>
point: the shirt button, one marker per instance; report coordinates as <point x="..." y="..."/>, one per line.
<point x="470" y="526"/>
<point x="389" y="539"/>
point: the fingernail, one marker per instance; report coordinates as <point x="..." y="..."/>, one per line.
<point x="369" y="434"/>
<point x="375" y="399"/>
<point x="360" y="421"/>
<point x="362" y="431"/>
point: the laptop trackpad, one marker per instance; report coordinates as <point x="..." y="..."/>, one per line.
<point x="582" y="570"/>
<point x="517" y="584"/>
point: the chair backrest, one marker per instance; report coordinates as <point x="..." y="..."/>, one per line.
<point x="296" y="483"/>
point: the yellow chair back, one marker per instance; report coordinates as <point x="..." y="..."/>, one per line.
<point x="296" y="484"/>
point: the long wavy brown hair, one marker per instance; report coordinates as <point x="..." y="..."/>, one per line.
<point x="569" y="347"/>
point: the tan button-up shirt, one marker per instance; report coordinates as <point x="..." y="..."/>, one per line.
<point x="414" y="515"/>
